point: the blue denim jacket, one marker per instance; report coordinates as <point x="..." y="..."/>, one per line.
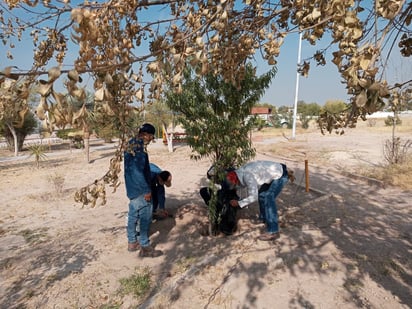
<point x="136" y="169"/>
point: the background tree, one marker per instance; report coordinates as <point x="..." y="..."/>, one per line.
<point x="407" y="97"/>
<point x="16" y="120"/>
<point x="306" y="112"/>
<point x="334" y="112"/>
<point x="15" y="135"/>
<point x="335" y="106"/>
<point x="71" y="110"/>
<point x="265" y="104"/>
<point x="284" y="109"/>
<point x="215" y="114"/>
<point x="160" y="115"/>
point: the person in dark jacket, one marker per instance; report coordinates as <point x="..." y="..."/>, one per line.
<point x="225" y="218"/>
<point x="159" y="179"/>
<point x="137" y="180"/>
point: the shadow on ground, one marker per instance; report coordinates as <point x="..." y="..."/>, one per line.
<point x="45" y="261"/>
<point x="369" y="228"/>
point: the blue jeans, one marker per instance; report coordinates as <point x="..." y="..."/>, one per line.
<point x="140" y="212"/>
<point x="267" y="204"/>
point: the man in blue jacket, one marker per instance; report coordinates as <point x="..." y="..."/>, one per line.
<point x="137" y="179"/>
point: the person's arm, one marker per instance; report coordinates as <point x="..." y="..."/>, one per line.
<point x="147" y="175"/>
<point x="143" y="169"/>
<point x="252" y="189"/>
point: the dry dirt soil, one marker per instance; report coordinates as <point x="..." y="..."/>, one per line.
<point x="346" y="241"/>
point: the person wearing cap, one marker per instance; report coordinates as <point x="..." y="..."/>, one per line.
<point x="159" y="179"/>
<point x="264" y="180"/>
<point x="138" y="189"/>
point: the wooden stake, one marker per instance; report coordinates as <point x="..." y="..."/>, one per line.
<point x="307" y="175"/>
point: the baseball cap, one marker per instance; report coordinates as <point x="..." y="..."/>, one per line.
<point x="147" y="128"/>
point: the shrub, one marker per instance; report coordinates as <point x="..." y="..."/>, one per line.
<point x="38" y="151"/>
<point x="371" y="123"/>
<point x="389" y="121"/>
<point x="396" y="152"/>
<point x="64" y="133"/>
<point x="57" y="180"/>
<point x="73" y="135"/>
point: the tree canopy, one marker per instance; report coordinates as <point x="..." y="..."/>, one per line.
<point x="215" y="114"/>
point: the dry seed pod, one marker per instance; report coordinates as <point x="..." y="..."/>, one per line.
<point x="139" y="94"/>
<point x="73" y="75"/>
<point x="108" y="79"/>
<point x="54" y="73"/>
<point x="99" y="94"/>
<point x="40" y="112"/>
<point x="361" y="99"/>
<point x="79" y="93"/>
<point x="44" y="88"/>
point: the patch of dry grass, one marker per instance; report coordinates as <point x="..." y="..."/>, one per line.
<point x="34" y="236"/>
<point x="58" y="181"/>
<point x="273" y="132"/>
<point x="396" y="174"/>
<point x="184" y="264"/>
<point x="380" y="126"/>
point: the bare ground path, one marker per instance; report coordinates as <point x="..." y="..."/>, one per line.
<point x="346" y="243"/>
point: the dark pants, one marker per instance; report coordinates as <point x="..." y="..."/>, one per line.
<point x="158" y="197"/>
<point x="225" y="215"/>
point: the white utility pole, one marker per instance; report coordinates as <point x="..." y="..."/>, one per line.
<point x="295" y="108"/>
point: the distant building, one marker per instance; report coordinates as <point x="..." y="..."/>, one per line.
<point x="262" y="112"/>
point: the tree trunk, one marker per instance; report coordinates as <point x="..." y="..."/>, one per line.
<point x="212" y="215"/>
<point x="213" y="231"/>
<point x="394" y="158"/>
<point x="169" y="139"/>
<point x="16" y="145"/>
<point x="86" y="138"/>
<point x="169" y="142"/>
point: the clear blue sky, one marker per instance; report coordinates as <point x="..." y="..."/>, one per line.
<point x="322" y="84"/>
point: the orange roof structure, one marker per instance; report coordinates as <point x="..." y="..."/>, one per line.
<point x="261" y="110"/>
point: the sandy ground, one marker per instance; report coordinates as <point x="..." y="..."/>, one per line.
<point x="347" y="243"/>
